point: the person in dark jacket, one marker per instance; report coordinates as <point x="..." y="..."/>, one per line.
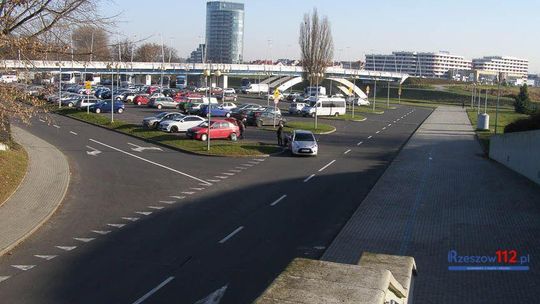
<point x="241" y="127"/>
<point x="279" y="133"/>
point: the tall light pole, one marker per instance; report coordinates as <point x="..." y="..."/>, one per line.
<point x="497" y="105"/>
<point x="207" y="74"/>
<point x="375" y="94"/>
<point x="388" y="95"/>
<point x="472" y="95"/>
<point x="353" y="101"/>
<point x="60" y="85"/>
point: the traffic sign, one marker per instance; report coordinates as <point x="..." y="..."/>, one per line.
<point x="88" y="85"/>
<point x="276" y="96"/>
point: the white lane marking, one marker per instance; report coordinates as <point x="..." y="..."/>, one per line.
<point x="140" y="148"/>
<point x="155" y="207"/>
<point x="94" y="151"/>
<point x="231" y="234"/>
<point x="309" y="177"/>
<point x="241" y="168"/>
<point x="384" y="128"/>
<point x="145" y="213"/>
<point x="235" y="171"/>
<point x="389" y="125"/>
<point x="2" y="279"/>
<point x="41" y="120"/>
<point x="66" y="248"/>
<point x="347" y="152"/>
<point x="150" y="162"/>
<point x="167" y="202"/>
<point x="45" y="257"/>
<point x="73" y="133"/>
<point x="370" y="137"/>
<point x="151" y="292"/>
<point x="247" y="165"/>
<point x="188" y="192"/>
<point x="260" y="159"/>
<point x="131" y="219"/>
<point x="205" y="185"/>
<point x="197" y="189"/>
<point x="56" y="126"/>
<point x="102" y="232"/>
<point x="377" y="132"/>
<point x="227" y="173"/>
<point x="84" y="240"/>
<point x="253" y="162"/>
<point x="214" y="180"/>
<point x="278" y="200"/>
<point x="398" y="119"/>
<point x="214" y="297"/>
<point x="222" y="177"/>
<point x="178" y="197"/>
<point x="359" y="143"/>
<point x="23" y="267"/>
<point x="116" y="225"/>
<point x="327" y="165"/>
<point x="319" y="247"/>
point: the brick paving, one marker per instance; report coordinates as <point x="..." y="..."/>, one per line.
<point x="441" y="194"/>
<point x="40" y="193"/>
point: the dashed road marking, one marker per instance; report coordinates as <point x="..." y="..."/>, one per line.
<point x="131" y="219"/>
<point x="168" y="202"/>
<point x="197" y="189"/>
<point x="377" y="132"/>
<point x="116" y="225"/>
<point x="205" y="185"/>
<point x="56" y="126"/>
<point x="260" y="159"/>
<point x="221" y="177"/>
<point x="3" y="278"/>
<point x="177" y="197"/>
<point x="235" y="171"/>
<point x="309" y="177"/>
<point x="145" y="213"/>
<point x="370" y="137"/>
<point x="241" y="168"/>
<point x="231" y="234"/>
<point x="278" y="200"/>
<point x="389" y="125"/>
<point x="359" y="143"/>
<point x="347" y="152"/>
<point x="253" y="162"/>
<point x="73" y="133"/>
<point x="155" y="207"/>
<point x="247" y="165"/>
<point x="102" y="232"/>
<point x="151" y="292"/>
<point x="45" y="257"/>
<point x="41" y="120"/>
<point x="188" y="192"/>
<point x="214" y="180"/>
<point x="84" y="240"/>
<point x="150" y="162"/>
<point x="384" y="128"/>
<point x="23" y="267"/>
<point x="327" y="165"/>
<point x="66" y="248"/>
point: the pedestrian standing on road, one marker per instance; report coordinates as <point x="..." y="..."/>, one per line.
<point x="241" y="127"/>
<point x="280" y="134"/>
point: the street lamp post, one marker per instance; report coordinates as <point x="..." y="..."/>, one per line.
<point x="207" y="74"/>
<point x="472" y="95"/>
<point x="497" y="105"/>
<point x="374" y="94"/>
<point x="388" y="95"/>
<point x="353" y="100"/>
<point x="60" y="85"/>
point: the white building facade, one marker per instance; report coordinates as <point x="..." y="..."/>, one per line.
<point x="510" y="66"/>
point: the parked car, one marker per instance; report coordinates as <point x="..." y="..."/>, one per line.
<point x="162" y="102"/>
<point x="85" y="102"/>
<point x="294" y="97"/>
<point x="180" y="123"/>
<point x="128" y="97"/>
<point x="296" y="107"/>
<point x="242" y="111"/>
<point x="153" y="121"/>
<point x="229" y="91"/>
<point x="266" y="119"/>
<point x="228" y="105"/>
<point x="358" y="101"/>
<point x="228" y="97"/>
<point x="219" y="129"/>
<point x="141" y="99"/>
<point x="215" y="111"/>
<point x="302" y="142"/>
<point x="104" y="106"/>
<point x="71" y="100"/>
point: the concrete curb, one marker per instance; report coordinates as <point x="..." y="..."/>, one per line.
<point x="40" y="194"/>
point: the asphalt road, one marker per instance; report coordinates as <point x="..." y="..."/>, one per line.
<point x="159" y="226"/>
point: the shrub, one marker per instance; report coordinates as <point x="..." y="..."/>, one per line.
<point x="524" y="124"/>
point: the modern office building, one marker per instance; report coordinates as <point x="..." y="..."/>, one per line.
<point x="224" y="32"/>
<point x="511" y="66"/>
<point x="198" y="55"/>
<point x="417" y="64"/>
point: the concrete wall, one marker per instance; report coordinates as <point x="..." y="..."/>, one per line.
<point x="519" y="151"/>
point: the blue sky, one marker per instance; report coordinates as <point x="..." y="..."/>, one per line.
<point x="472" y="28"/>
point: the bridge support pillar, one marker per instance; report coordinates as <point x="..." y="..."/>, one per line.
<point x="225" y="81"/>
<point x="148" y="80"/>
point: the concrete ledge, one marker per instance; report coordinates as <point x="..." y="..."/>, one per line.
<point x="40" y="193"/>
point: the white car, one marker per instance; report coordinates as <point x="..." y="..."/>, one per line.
<point x="180" y="124"/>
<point x="303" y="143"/>
<point x="229" y="91"/>
<point x="228" y="105"/>
<point x="360" y="102"/>
<point x="157" y="95"/>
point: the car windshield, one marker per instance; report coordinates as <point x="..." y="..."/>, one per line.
<point x="304" y="137"/>
<point x="161" y="115"/>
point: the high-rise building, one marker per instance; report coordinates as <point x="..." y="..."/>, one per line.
<point x="416" y="64"/>
<point x="224" y="32"/>
<point x="498" y="64"/>
<point x="197" y="56"/>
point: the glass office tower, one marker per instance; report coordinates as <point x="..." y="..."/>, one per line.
<point x="224" y="32"/>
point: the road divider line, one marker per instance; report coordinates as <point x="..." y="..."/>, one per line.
<point x="389" y="125"/>
<point x="150" y="162"/>
<point x="278" y="200"/>
<point x="45" y="257"/>
<point x="197" y="189"/>
<point x="84" y="240"/>
<point x="154" y="290"/>
<point x="3" y="278"/>
<point x="145" y="213"/>
<point x="221" y="177"/>
<point x="227" y="173"/>
<point x="73" y="133"/>
<point x="359" y="143"/>
<point x="155" y="207"/>
<point x="384" y="128"/>
<point x="23" y="267"/>
<point x="56" y="126"/>
<point x="214" y="180"/>
<point x="377" y="132"/>
<point x="66" y="248"/>
<point x="241" y="168"/>
<point x="41" y="120"/>
<point x="178" y="197"/>
<point x="102" y="232"/>
<point x="235" y="171"/>
<point x="116" y="225"/>
<point x="327" y="165"/>
<point x="188" y="192"/>
<point x="168" y="202"/>
<point x="131" y="219"/>
<point x="370" y="137"/>
<point x="247" y="165"/>
<point x="309" y="177"/>
<point x="231" y="234"/>
<point x="260" y="159"/>
<point x="347" y="152"/>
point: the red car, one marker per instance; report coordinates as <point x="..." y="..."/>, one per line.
<point x="151" y="90"/>
<point x="141" y="99"/>
<point x="219" y="129"/>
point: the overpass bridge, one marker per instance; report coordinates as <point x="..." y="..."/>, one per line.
<point x="281" y="77"/>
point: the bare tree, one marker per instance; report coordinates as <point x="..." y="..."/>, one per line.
<point x="91" y="43"/>
<point x="316" y="45"/>
<point x="37" y="29"/>
<point x="152" y="52"/>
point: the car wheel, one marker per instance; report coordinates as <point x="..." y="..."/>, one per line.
<point x="234" y="137"/>
<point x="204" y="137"/>
<point x="228" y="115"/>
<point x="259" y="124"/>
<point x="98" y="110"/>
<point x="70" y="105"/>
<point x="337" y="114"/>
<point x="120" y="111"/>
<point x="174" y="129"/>
<point x="159" y="107"/>
<point x="139" y="103"/>
<point x="313" y="115"/>
<point x="154" y="125"/>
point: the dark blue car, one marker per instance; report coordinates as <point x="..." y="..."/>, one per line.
<point x="216" y="111"/>
<point x="104" y="106"/>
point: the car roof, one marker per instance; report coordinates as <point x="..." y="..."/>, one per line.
<point x="303" y="132"/>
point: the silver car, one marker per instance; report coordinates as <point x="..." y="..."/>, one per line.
<point x="153" y="121"/>
<point x="162" y="102"/>
<point x="303" y="142"/>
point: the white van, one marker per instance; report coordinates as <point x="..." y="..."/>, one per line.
<point x="325" y="106"/>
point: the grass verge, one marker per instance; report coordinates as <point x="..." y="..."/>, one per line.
<point x="348" y="117"/>
<point x="178" y="141"/>
<point x="13" y="164"/>
<point x="300" y="125"/>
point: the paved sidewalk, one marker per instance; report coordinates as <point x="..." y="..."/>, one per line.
<point x="40" y="193"/>
<point x="441" y="194"/>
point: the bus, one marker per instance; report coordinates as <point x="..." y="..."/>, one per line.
<point x="181" y="82"/>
